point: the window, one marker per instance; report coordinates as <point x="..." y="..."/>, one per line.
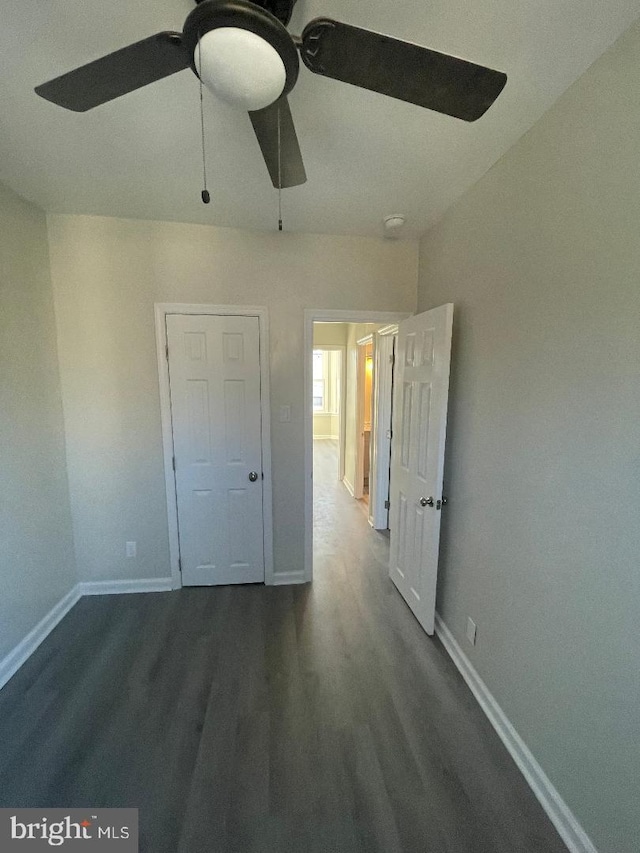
<point x="326" y="381"/>
<point x="319" y="380"/>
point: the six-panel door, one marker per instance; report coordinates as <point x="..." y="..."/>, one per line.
<point x="421" y="386"/>
<point x="214" y="372"/>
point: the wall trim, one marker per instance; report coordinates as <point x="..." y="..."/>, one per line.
<point x="12" y="662"/>
<point x="117" y="587"/>
<point x="21" y="653"/>
<point x="348" y="487"/>
<point x="558" y="811"/>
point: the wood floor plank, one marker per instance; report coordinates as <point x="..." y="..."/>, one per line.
<point x="256" y="719"/>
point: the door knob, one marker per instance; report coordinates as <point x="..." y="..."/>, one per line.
<point x="426" y="501"/>
<point x="253" y="476"/>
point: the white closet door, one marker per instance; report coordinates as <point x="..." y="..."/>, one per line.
<point x="214" y="371"/>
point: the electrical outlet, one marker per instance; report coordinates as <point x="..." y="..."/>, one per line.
<point x="131" y="549"/>
<point x="471" y="630"/>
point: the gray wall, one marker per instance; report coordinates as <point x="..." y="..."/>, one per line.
<point x="541" y="543"/>
<point x="36" y="554"/>
<point x="107" y="274"/>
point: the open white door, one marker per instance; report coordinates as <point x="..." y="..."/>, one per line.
<point x="421" y="389"/>
<point x="214" y="371"/>
<point x="381" y="436"/>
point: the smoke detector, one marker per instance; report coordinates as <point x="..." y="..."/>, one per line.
<point x="393" y="225"/>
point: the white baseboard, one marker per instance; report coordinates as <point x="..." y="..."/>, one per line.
<point x="559" y="813"/>
<point x="349" y="487"/>
<point x="326" y="437"/>
<point x="284" y="578"/>
<point x="124" y="586"/>
<point x="10" y="664"/>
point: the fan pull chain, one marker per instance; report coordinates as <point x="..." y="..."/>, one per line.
<point x="279" y="177"/>
<point x="206" y="198"/>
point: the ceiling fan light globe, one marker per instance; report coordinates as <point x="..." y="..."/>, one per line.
<point x="240" y="67"/>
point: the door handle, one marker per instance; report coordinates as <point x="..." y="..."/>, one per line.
<point x="426" y="501"/>
<point x="253" y="476"/>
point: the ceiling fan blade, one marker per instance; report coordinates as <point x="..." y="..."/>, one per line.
<point x="265" y="126"/>
<point x="117" y="73"/>
<point x="399" y="69"/>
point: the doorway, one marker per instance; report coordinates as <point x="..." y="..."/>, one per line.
<point x="421" y="382"/>
<point x="351" y="457"/>
<point x="342" y="402"/>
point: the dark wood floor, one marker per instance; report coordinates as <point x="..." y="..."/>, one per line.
<point x="268" y="718"/>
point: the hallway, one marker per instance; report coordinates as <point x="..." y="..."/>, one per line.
<point x="253" y="719"/>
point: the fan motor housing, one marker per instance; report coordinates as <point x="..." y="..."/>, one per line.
<point x="280" y="9"/>
<point x="211" y="14"/>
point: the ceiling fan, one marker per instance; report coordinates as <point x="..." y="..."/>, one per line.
<point x="242" y="51"/>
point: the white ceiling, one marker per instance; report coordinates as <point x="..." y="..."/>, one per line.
<point x="365" y="155"/>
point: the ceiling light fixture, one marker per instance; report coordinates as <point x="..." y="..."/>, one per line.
<point x="241" y="68"/>
<point x="247" y="57"/>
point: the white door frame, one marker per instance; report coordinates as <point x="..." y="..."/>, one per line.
<point x="358" y="484"/>
<point x="161" y="311"/>
<point x="379" y="488"/>
<point x="311" y="316"/>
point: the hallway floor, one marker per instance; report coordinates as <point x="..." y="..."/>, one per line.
<point x="309" y="719"/>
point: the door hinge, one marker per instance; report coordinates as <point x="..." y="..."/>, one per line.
<point x="173" y="461"/>
<point x="180" y="563"/>
<point x="387" y="504"/>
<point x="166" y="351"/>
<point x="392" y="358"/>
